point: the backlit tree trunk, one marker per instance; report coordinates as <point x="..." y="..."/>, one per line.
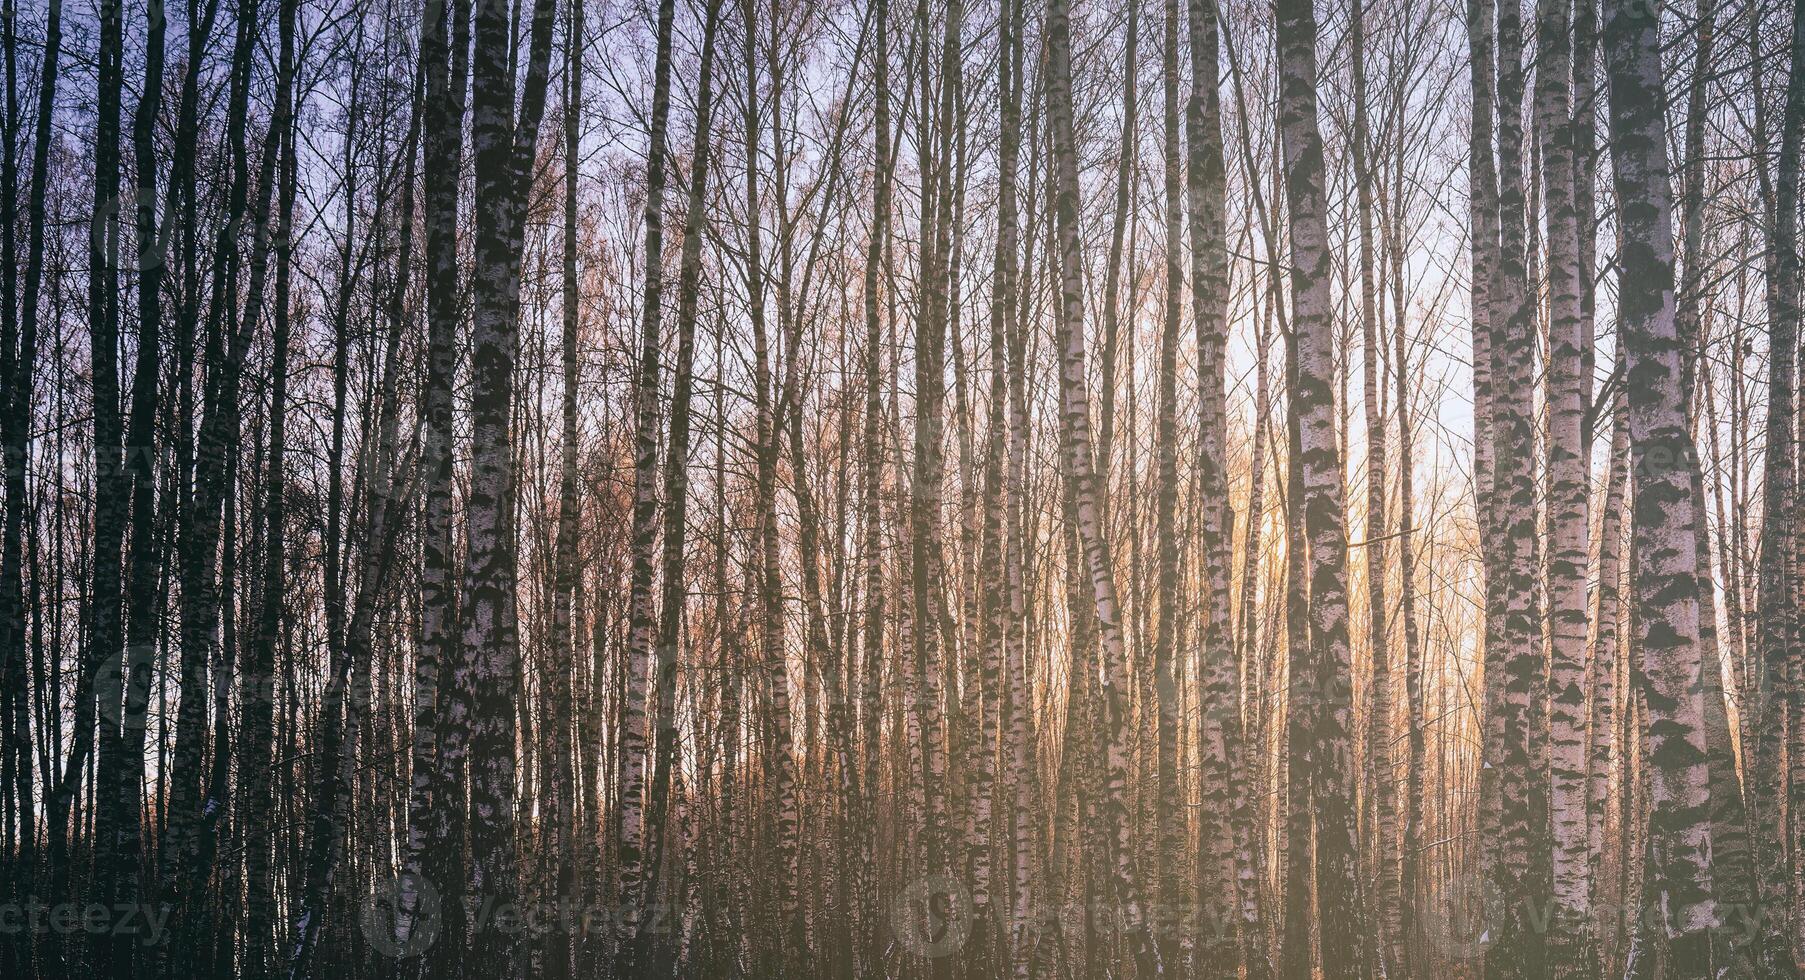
<point x="503" y="141"/>
<point x="1081" y="483"/>
<point x="1569" y="391"/>
<point x="1323" y="512"/>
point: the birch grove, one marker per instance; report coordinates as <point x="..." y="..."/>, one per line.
<point x="901" y="489"/>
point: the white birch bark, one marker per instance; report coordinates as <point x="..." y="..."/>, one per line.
<point x="1081" y="479"/>
<point x="1339" y="911"/>
<point x="630" y="819"/>
<point x="1666" y="626"/>
<point x="1568" y="393"/>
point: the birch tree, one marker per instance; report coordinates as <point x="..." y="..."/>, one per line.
<point x="503" y="139"/>
<point x="1569" y="392"/>
<point x="1081" y="479"/>
<point x="1663" y="458"/>
<point x="1322" y="504"/>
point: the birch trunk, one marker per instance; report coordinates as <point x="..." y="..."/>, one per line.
<point x="1416" y="774"/>
<point x="488" y="667"/>
<point x="1170" y="815"/>
<point x="1007" y="382"/>
<point x="258" y="689"/>
<point x="1569" y="392"/>
<point x="111" y="484"/>
<point x="15" y="443"/>
<point x="181" y="852"/>
<point x="774" y="665"/>
<point x="436" y="809"/>
<point x="1082" y="489"/>
<point x="560" y="783"/>
<point x="1667" y="623"/>
<point x="1322" y="507"/>
<point x="1777" y="686"/>
<point x="630" y="822"/>
<point x="996" y="954"/>
<point x="1225" y="876"/>
<point x="1518" y="652"/>
<point x="676" y="489"/>
<point x="870" y="479"/>
<point x="1482" y="195"/>
<point x="1387" y="917"/>
<point x="1602" y="744"/>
